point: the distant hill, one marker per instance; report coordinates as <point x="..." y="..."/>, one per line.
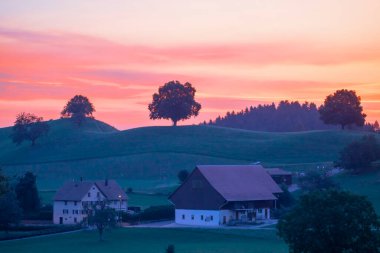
<point x="97" y="150"/>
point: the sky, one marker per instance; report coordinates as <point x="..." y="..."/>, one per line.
<point x="235" y="53"/>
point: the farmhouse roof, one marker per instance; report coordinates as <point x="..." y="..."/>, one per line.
<point x="241" y="182"/>
<point x="75" y="191"/>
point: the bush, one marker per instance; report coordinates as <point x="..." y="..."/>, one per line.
<point x="152" y="213"/>
<point x="158" y="213"/>
<point x="44" y="213"/>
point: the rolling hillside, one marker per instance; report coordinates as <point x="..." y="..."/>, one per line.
<point x="97" y="150"/>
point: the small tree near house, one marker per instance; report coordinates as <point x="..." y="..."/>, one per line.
<point x="102" y="217"/>
<point x="182" y="175"/>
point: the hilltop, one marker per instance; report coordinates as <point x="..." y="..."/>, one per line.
<point x="99" y="150"/>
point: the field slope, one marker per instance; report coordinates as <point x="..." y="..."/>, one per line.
<point x="97" y="150"/>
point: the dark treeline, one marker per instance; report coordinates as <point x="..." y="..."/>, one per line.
<point x="285" y="117"/>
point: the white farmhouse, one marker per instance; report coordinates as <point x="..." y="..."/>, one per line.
<point x="214" y="195"/>
<point x="72" y="198"/>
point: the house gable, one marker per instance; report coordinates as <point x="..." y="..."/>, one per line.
<point x="197" y="193"/>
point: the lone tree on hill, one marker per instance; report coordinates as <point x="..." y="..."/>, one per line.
<point x="359" y="155"/>
<point x="78" y="108"/>
<point x="28" y="127"/>
<point x="330" y="222"/>
<point x="342" y="108"/>
<point x="174" y="101"/>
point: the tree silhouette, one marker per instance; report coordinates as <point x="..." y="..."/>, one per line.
<point x="78" y="108"/>
<point x="330" y="221"/>
<point x="174" y="101"/>
<point x="342" y="108"/>
<point x="28" y="127"/>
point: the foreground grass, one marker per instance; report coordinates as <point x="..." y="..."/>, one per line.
<point x="137" y="240"/>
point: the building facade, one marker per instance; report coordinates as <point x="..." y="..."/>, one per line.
<point x="73" y="200"/>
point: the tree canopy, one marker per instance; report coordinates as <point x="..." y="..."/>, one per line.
<point x="342" y="108"/>
<point x="28" y="127"/>
<point x="101" y="216"/>
<point x="359" y="155"/>
<point x="10" y="212"/>
<point x="27" y="193"/>
<point x="78" y="108"/>
<point x="182" y="175"/>
<point x="174" y="101"/>
<point x="330" y="222"/>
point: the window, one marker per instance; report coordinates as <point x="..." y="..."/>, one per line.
<point x="211" y="217"/>
<point x="98" y="194"/>
<point x="260" y="210"/>
<point x="192" y="216"/>
<point x="75" y="203"/>
<point x="89" y="194"/>
<point x="65" y="203"/>
<point x="183" y="216"/>
<point x="65" y="211"/>
<point x="115" y="202"/>
<point x="73" y="211"/>
<point x="75" y="220"/>
<point x="201" y="217"/>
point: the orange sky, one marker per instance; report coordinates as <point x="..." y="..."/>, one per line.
<point x="235" y="54"/>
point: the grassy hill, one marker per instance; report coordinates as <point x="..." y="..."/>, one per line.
<point x="97" y="150"/>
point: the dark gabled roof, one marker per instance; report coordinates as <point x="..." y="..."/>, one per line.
<point x="278" y="172"/>
<point x="112" y="190"/>
<point x="241" y="182"/>
<point x="75" y="191"/>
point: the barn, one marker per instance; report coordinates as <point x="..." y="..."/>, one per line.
<point x="214" y="195"/>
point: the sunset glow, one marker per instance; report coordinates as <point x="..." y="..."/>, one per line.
<point x="235" y="53"/>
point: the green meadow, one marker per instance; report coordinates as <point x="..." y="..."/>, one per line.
<point x="153" y="240"/>
<point x="150" y="157"/>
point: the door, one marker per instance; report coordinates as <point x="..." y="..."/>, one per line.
<point x="266" y="214"/>
<point x="224" y="219"/>
<point x="60" y="220"/>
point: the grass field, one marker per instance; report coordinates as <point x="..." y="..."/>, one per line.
<point x="137" y="240"/>
<point x="97" y="150"/>
<point x="367" y="184"/>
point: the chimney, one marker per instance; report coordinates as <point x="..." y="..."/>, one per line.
<point x="106" y="182"/>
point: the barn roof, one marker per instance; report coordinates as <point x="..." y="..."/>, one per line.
<point x="75" y="191"/>
<point x="241" y="182"/>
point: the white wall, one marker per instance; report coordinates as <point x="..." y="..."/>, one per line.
<point x="210" y="217"/>
<point x="261" y="216"/>
<point x="228" y="214"/>
<point x="68" y="218"/>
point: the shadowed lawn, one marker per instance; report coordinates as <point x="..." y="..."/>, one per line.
<point x="137" y="240"/>
<point x="367" y="184"/>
